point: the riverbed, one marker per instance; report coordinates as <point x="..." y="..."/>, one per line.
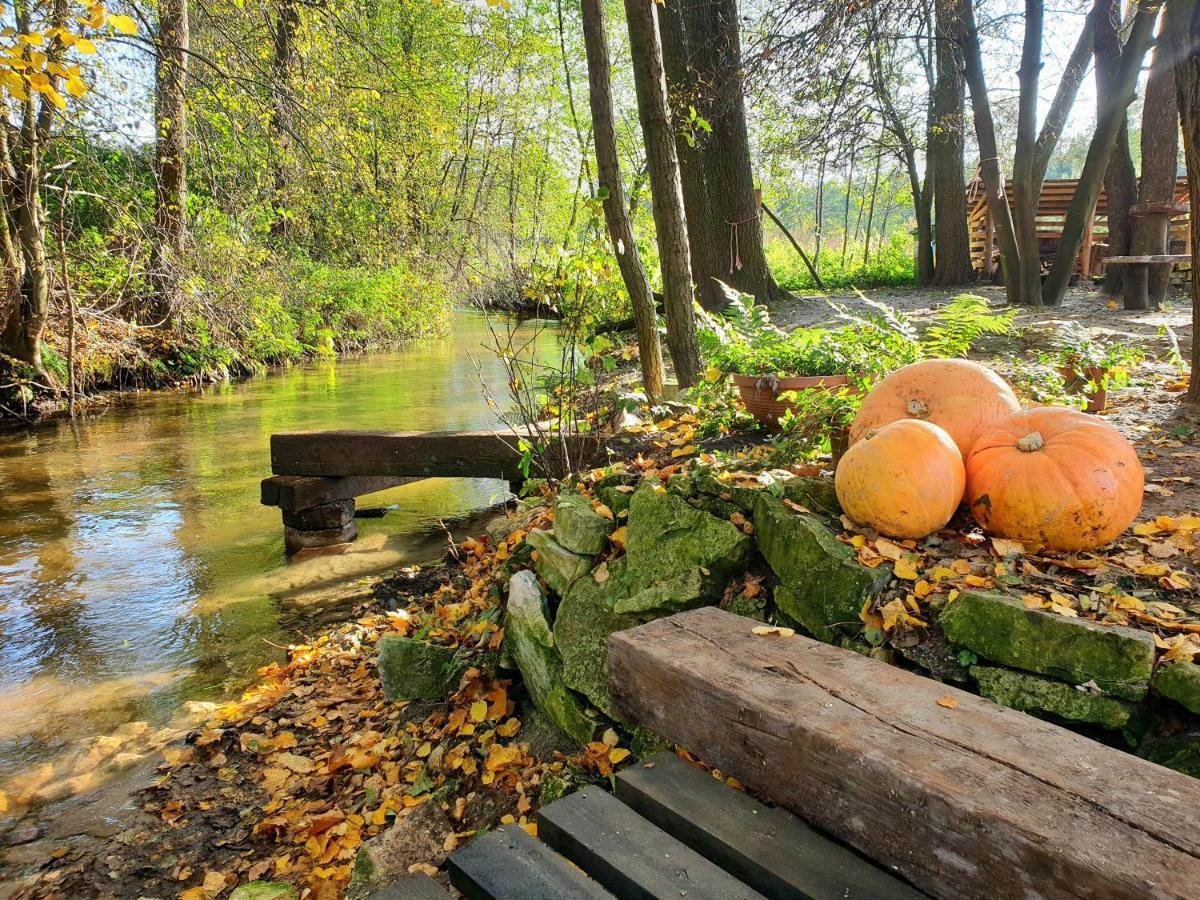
<point x="137" y="568"/>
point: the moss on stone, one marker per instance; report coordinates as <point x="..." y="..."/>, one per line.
<point x="676" y="594"/>
<point x="529" y="640"/>
<point x="1035" y="693"/>
<point x="411" y="669"/>
<point x="1003" y="630"/>
<point x="578" y="527"/>
<point x="823" y="586"/>
<point x="557" y="565"/>
<point x="1179" y="681"/>
<point x="816" y="494"/>
<point x="749" y="607"/>
<point x="668" y="537"/>
<point x="585" y="620"/>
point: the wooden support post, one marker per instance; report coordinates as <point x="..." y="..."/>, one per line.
<point x="962" y="797"/>
<point x="319" y="526"/>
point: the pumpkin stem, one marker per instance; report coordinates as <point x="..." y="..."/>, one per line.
<point x="1031" y="442"/>
<point x="918" y="409"/>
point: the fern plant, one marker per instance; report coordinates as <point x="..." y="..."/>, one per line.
<point x="959" y="325"/>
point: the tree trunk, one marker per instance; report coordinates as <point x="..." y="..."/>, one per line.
<point x="703" y="59"/>
<point x="1182" y="28"/>
<point x="1120" y="181"/>
<point x="287" y="23"/>
<point x="1108" y="125"/>
<point x="952" y="264"/>
<point x="989" y="155"/>
<point x="612" y="190"/>
<point x="1025" y="192"/>
<point x="1160" y="159"/>
<point x="1064" y="99"/>
<point x="662" y="161"/>
<point x="170" y="194"/>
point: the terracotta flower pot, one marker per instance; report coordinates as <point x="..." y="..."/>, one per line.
<point x="1077" y="383"/>
<point x="760" y="393"/>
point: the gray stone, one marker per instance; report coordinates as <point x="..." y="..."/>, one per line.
<point x="585" y="620"/>
<point x="614" y="498"/>
<point x="412" y="669"/>
<point x="668" y="537"/>
<point x="264" y="890"/>
<point x="418" y="837"/>
<point x="578" y="527"/>
<point x="1035" y="693"/>
<point x="823" y="587"/>
<point x="557" y="565"/>
<point x="530" y="642"/>
<point x="708" y="482"/>
<point x="1002" y="629"/>
<point x="1180" y="681"/>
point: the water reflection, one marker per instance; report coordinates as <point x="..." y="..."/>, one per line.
<point x="136" y="566"/>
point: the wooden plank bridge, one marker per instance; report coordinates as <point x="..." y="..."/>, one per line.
<point x="886" y="784"/>
<point x="318" y="475"/>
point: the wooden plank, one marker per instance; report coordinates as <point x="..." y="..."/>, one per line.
<point x="629" y="855"/>
<point x="411" y="887"/>
<point x="509" y="864"/>
<point x="293" y="493"/>
<point x="464" y="454"/>
<point x="766" y="847"/>
<point x="1156" y="258"/>
<point x="971" y="801"/>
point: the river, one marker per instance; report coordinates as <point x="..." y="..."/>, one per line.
<point x="137" y="568"/>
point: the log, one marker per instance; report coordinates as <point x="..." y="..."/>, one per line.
<point x="974" y="801"/>
<point x="464" y="454"/>
<point x="293" y="493"/>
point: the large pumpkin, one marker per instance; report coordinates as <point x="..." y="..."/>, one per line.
<point x="1055" y="477"/>
<point x="905" y="480"/>
<point x="960" y="396"/>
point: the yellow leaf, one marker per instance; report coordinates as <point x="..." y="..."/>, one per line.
<point x="616" y="754"/>
<point x="683" y="451"/>
<point x="123" y="24"/>
<point x="618" y="536"/>
<point x="426" y="748"/>
<point x="948" y="702"/>
<point x="764" y="630"/>
<point x="906" y="569"/>
<point x="84" y="46"/>
<point x="3" y="802"/>
<point x="479" y="710"/>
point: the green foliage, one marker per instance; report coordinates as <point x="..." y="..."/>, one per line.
<point x="891" y="265"/>
<point x="961" y="323"/>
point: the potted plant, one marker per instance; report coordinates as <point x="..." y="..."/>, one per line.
<point x="774" y="364"/>
<point x="1092" y="368"/>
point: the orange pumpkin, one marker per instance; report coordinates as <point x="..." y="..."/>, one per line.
<point x="1055" y="477"/>
<point x="905" y="480"/>
<point x="960" y="396"/>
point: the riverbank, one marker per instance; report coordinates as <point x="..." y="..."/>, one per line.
<point x="292" y="311"/>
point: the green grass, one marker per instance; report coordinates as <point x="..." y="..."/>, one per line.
<point x="889" y="266"/>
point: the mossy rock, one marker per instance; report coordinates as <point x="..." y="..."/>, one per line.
<point x="822" y="585"/>
<point x="578" y="527"/>
<point x="412" y="669"/>
<point x="814" y="493"/>
<point x="1179" y="752"/>
<point x="530" y="642"/>
<point x="707" y="481"/>
<point x="1002" y="629"/>
<point x="668" y="537"/>
<point x="1179" y="681"/>
<point x="264" y="890"/>
<point x="676" y="594"/>
<point x="585" y="620"/>
<point x="1037" y="694"/>
<point x="748" y="607"/>
<point x="557" y="565"/>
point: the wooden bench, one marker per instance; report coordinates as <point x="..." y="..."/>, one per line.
<point x="962" y="797"/>
<point x="1136" y="283"/>
<point x="318" y="474"/>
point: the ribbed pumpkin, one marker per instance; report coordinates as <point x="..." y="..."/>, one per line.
<point x="960" y="396"/>
<point x="1055" y="477"/>
<point x="904" y="480"/>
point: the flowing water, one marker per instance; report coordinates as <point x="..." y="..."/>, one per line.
<point x="137" y="568"/>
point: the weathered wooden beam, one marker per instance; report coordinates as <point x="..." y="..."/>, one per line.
<point x="963" y="797"/>
<point x="464" y="454"/>
<point x="295" y="493"/>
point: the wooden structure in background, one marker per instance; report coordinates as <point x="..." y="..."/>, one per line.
<point x="1052" y="211"/>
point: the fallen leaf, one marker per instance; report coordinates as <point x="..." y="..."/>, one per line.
<point x="948" y="702"/>
<point x="778" y="630"/>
